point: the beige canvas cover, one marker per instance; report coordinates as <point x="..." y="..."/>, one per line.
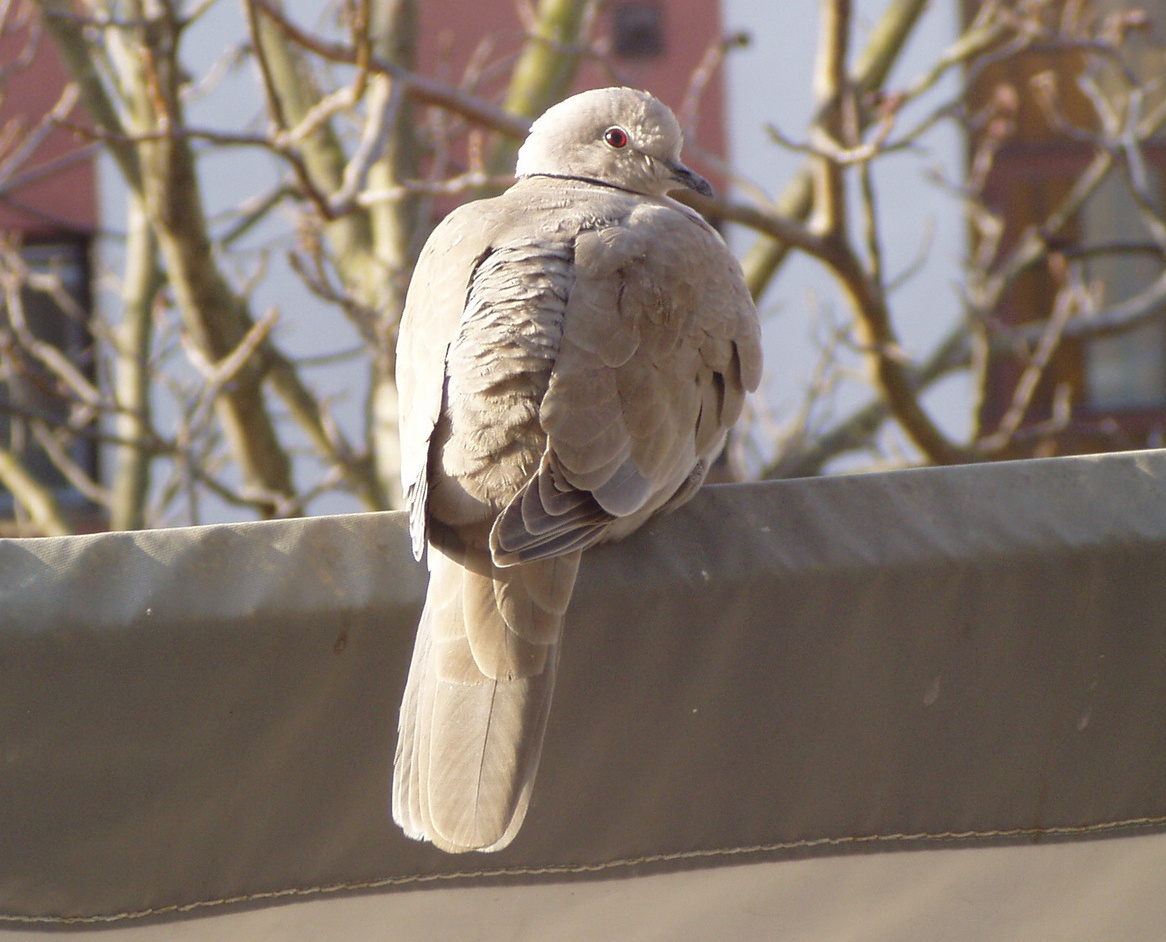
<point x="917" y="705"/>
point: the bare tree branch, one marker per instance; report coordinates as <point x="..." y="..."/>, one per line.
<point x="131" y="461"/>
<point x="420" y="88"/>
<point x="856" y="432"/>
<point x="544" y="71"/>
<point x="766" y="256"/>
<point x="32" y="496"/>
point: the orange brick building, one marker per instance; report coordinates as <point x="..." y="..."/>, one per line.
<point x="1113" y="387"/>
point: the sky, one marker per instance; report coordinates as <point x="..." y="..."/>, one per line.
<point x="769" y="84"/>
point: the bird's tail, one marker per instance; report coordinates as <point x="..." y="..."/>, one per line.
<point x="479" y="691"/>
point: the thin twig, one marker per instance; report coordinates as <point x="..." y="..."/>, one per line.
<point x="1034" y="371"/>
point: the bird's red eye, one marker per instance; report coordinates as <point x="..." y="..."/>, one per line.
<point x="616" y="137"/>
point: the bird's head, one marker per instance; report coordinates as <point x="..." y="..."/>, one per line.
<point x="618" y="136"/>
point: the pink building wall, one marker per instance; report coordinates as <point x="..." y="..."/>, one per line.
<point x="65" y="199"/>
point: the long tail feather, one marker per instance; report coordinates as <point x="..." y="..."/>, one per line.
<point x="478" y="695"/>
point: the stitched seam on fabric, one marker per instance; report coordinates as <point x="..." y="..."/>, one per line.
<point x="944" y="837"/>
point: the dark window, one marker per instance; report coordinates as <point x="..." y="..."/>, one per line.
<point x="29" y="389"/>
<point x="1126" y="370"/>
<point x="638" y="30"/>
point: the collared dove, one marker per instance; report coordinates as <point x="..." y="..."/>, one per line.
<point x="571" y="356"/>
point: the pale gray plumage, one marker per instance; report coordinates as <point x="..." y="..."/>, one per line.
<point x="570" y="358"/>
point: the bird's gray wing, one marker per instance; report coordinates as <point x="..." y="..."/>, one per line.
<point x="661" y="344"/>
<point x="434" y="306"/>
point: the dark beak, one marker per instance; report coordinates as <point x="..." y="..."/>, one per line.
<point x="687" y="178"/>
